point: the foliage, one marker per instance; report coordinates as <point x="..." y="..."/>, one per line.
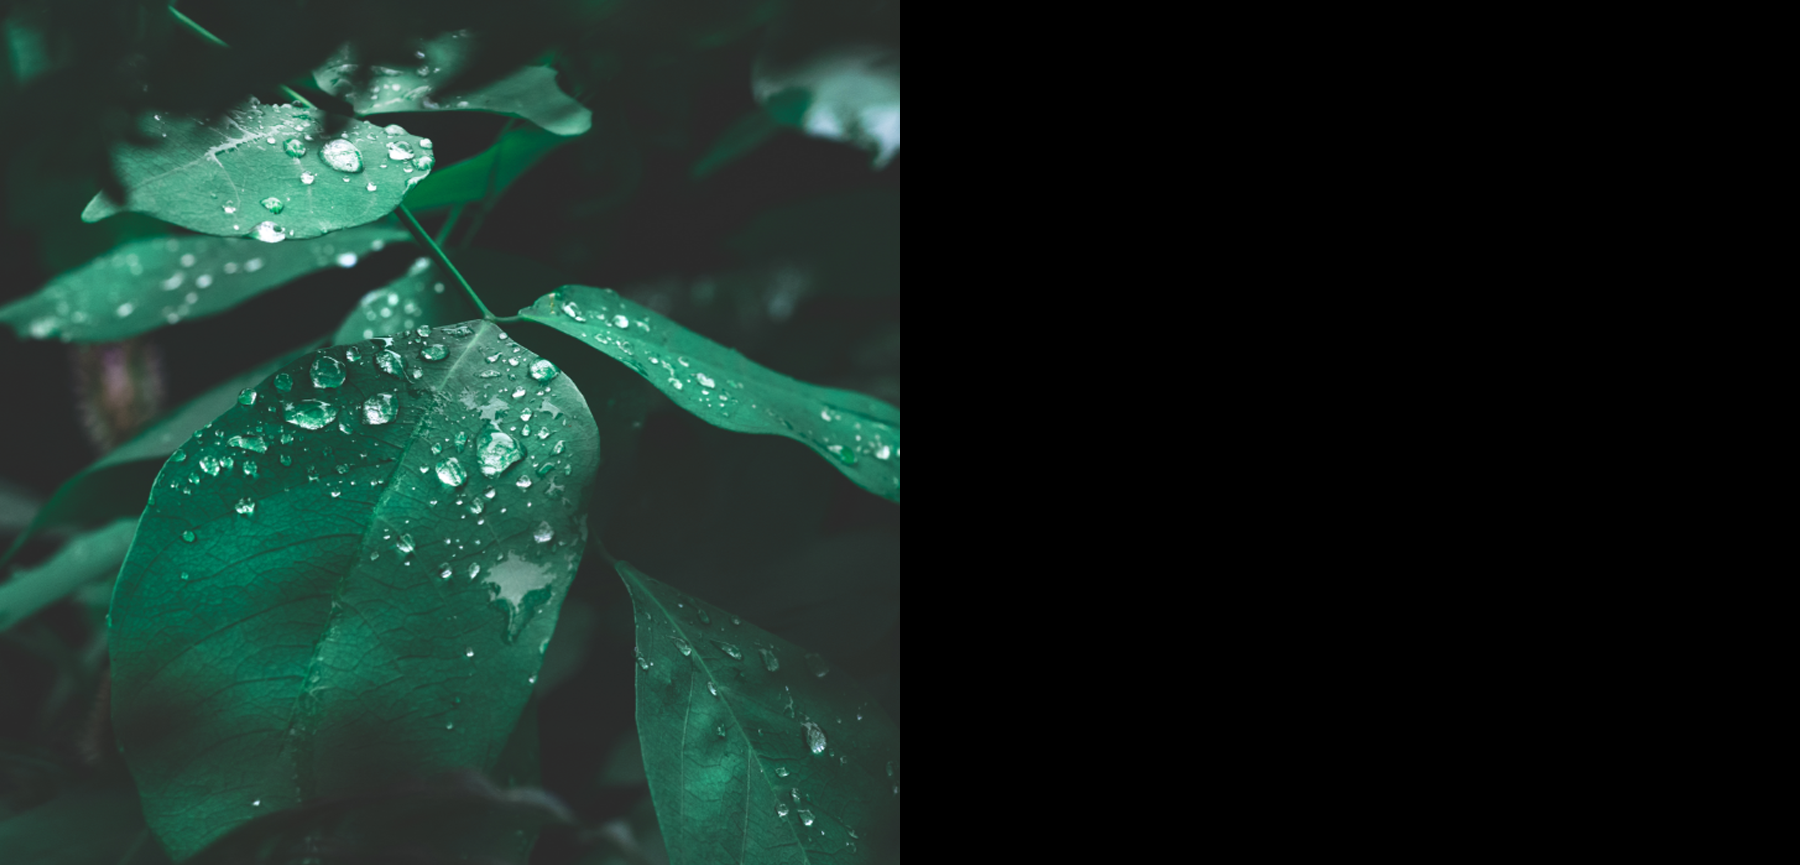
<point x="443" y="554"/>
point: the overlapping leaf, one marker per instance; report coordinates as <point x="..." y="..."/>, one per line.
<point x="146" y="284"/>
<point x="265" y="171"/>
<point x="850" y="95"/>
<point x="756" y="751"/>
<point x="419" y="297"/>
<point x="858" y="434"/>
<point x="529" y="93"/>
<point x="86" y="558"/>
<point x="348" y="577"/>
<point x="489" y="172"/>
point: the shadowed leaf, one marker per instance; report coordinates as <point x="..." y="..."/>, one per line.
<point x="530" y="93"/>
<point x="86" y="558"/>
<point x="420" y="296"/>
<point x="467" y="181"/>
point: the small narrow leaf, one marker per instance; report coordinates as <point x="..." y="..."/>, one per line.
<point x="856" y="433"/>
<point x="419" y="296"/>
<point x="264" y="171"/>
<point x="756" y="751"/>
<point x="146" y="284"/>
<point x="747" y="134"/>
<point x="350" y="578"/>
<point x="469" y="180"/>
<point x="850" y="95"/>
<point x="529" y="93"/>
<point x="87" y="557"/>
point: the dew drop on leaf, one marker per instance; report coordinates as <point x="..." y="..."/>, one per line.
<point x="543" y="370"/>
<point x="433" y="352"/>
<point x="815" y="738"/>
<point x="293" y="147"/>
<point x="311" y="414"/>
<point x="272" y="204"/>
<point x="246" y="507"/>
<point x="683" y="646"/>
<point x="497" y="452"/>
<point x="342" y="155"/>
<point x="451" y="473"/>
<point x="379" y="409"/>
<point x="247" y="396"/>
<point x="770" y="662"/>
<point x="817" y="664"/>
<point x="544" y="533"/>
<point x="308" y="177"/>
<point x="729" y="649"/>
<point x="327" y="372"/>
<point x="188" y="536"/>
<point x="390" y="363"/>
<point x="283" y="382"/>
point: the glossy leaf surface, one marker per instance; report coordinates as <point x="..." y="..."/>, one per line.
<point x="858" y="434"/>
<point x="529" y="93"/>
<point x="469" y="180"/>
<point x="421" y="296"/>
<point x="348" y="577"/>
<point x="146" y="284"/>
<point x="265" y="171"/>
<point x="756" y="751"/>
<point x="848" y="95"/>
<point x="86" y="558"/>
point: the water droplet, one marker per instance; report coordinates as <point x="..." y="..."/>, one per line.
<point x="621" y="321"/>
<point x="379" y="409"/>
<point x="450" y="725"/>
<point x="398" y="151"/>
<point x="683" y="646"/>
<point x="188" y="536"/>
<point x="704" y="618"/>
<point x="704" y="380"/>
<point x="451" y="472"/>
<point x="424" y="161"/>
<point x="544" y="533"/>
<point x="815" y="738"/>
<point x="390" y="363"/>
<point x="846" y="455"/>
<point x="283" y="382"/>
<point x="294" y="148"/>
<point x="178" y="456"/>
<point x="433" y="352"/>
<point x="890" y="768"/>
<point x="125" y="309"/>
<point x="770" y="661"/>
<point x="404" y="545"/>
<point x="711" y="687"/>
<point x="497" y="452"/>
<point x="346" y="259"/>
<point x="184" y="575"/>
<point x="272" y="204"/>
<point x="342" y="155"/>
<point x="246" y="507"/>
<point x="327" y="372"/>
<point x="729" y="649"/>
<point x="268" y="232"/>
<point x="229" y="209"/>
<point x="371" y="186"/>
<point x="247" y="396"/>
<point x="469" y="654"/>
<point x="445" y="573"/>
<point x="249" y="443"/>
<point x="543" y="370"/>
<point x="817" y="664"/>
<point x="256" y="804"/>
<point x="782" y="771"/>
<point x="393" y="128"/>
<point x="806" y="817"/>
<point x="781" y="809"/>
<point x="311" y="414"/>
<point x="474" y="570"/>
<point x="489" y="494"/>
<point x="308" y="177"/>
<point x="883" y="452"/>
<point x="639" y="653"/>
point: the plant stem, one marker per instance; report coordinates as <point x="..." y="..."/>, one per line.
<point x="418" y="233"/>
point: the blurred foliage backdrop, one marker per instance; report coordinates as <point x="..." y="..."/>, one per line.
<point x="716" y="185"/>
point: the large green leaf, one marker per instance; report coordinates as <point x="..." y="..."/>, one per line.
<point x="111" y="487"/>
<point x="756" y="751"/>
<point x="488" y="172"/>
<point x="419" y="296"/>
<point x="86" y="558"/>
<point x="529" y="93"/>
<point x="265" y="171"/>
<point x="850" y="95"/>
<point x="857" y="434"/>
<point x="146" y="284"/>
<point x="350" y="578"/>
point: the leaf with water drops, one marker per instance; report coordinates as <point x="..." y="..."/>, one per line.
<point x="419" y="296"/>
<point x="848" y="95"/>
<point x="86" y="558"/>
<point x="528" y="93"/>
<point x="858" y="434"/>
<point x="753" y="757"/>
<point x="213" y="177"/>
<point x="308" y="653"/>
<point x="147" y="284"/>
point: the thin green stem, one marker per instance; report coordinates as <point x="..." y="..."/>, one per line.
<point x="207" y="35"/>
<point x="418" y="233"/>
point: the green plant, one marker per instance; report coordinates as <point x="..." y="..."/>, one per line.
<point x="339" y="604"/>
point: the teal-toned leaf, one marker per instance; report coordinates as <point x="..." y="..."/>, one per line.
<point x="421" y="296"/>
<point x="146" y="284"/>
<point x="849" y="95"/>
<point x="757" y="752"/>
<point x="857" y="434"/>
<point x="239" y="175"/>
<point x="349" y="577"/>
<point x="747" y="134"/>
<point x="468" y="181"/>
<point x="112" y="486"/>
<point x="530" y="93"/>
<point x="98" y="823"/>
<point x="87" y="557"/>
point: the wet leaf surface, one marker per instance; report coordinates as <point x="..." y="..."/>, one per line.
<point x="421" y="296"/>
<point x="529" y="93"/>
<point x="349" y="577"/>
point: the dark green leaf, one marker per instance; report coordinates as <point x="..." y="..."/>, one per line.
<point x="17" y="506"/>
<point x="146" y="284"/>
<point x="87" y="557"/>
<point x="350" y="579"/>
<point x="529" y="93"/>
<point x="757" y="752"/>
<point x="236" y="177"/>
<point x="96" y="824"/>
<point x="420" y="296"/>
<point x="850" y="95"/>
<point x="747" y="134"/>
<point x="468" y="181"/>
<point x="857" y="434"/>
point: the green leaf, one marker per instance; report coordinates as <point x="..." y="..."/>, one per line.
<point x="419" y="296"/>
<point x="857" y="434"/>
<point x="146" y="284"/>
<point x="467" y="181"/>
<point x="530" y="93"/>
<point x="17" y="506"/>
<point x="747" y="134"/>
<point x="86" y="558"/>
<point x="850" y="95"/>
<point x="96" y="824"/>
<point x="235" y="177"/>
<point x="111" y="486"/>
<point x="374" y="551"/>
<point x="756" y="751"/>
